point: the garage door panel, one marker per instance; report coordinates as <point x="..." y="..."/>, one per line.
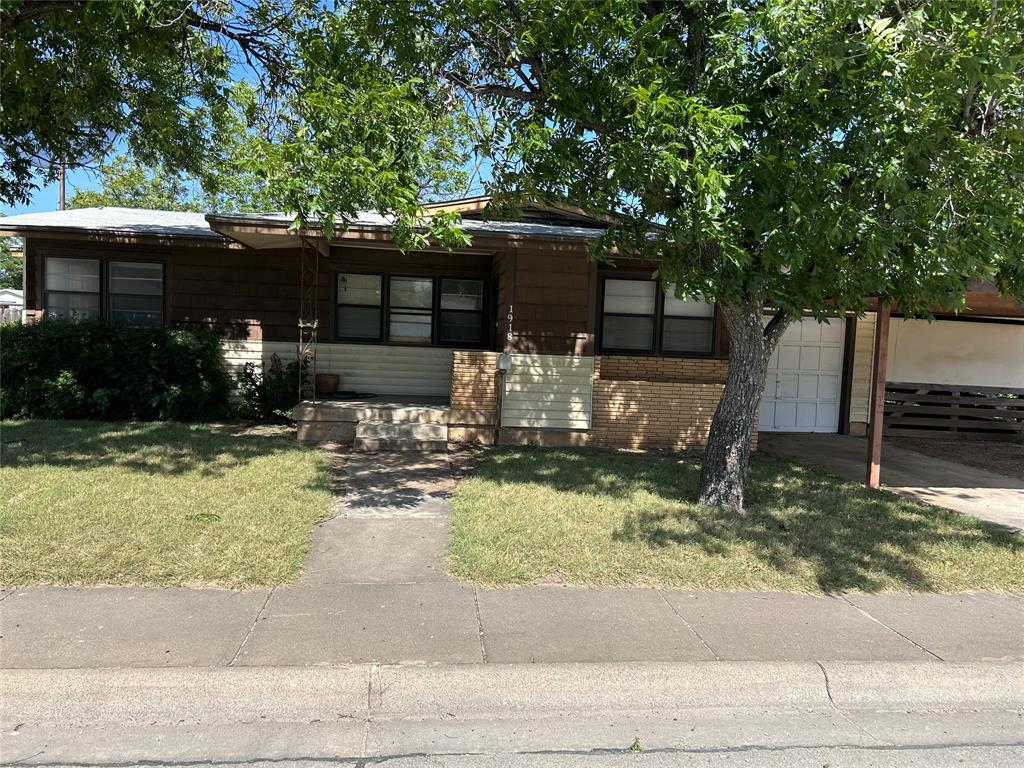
<point x="808" y="387"/>
<point x="828" y="388"/>
<point x="832" y="333"/>
<point x="831" y="359"/>
<point x="788" y="386"/>
<point x="785" y="414"/>
<point x="810" y="358"/>
<point x="789" y="357"/>
<point x="804" y="378"/>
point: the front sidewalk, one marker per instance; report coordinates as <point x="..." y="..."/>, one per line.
<point x="450" y="622"/>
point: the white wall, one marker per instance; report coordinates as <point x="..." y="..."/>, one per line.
<point x="380" y="369"/>
<point x="956" y="352"/>
<point x="548" y="391"/>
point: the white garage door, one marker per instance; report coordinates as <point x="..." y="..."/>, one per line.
<point x="801" y="393"/>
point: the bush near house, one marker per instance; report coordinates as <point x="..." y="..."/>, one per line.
<point x="64" y="369"/>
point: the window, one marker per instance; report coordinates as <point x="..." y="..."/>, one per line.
<point x="72" y="288"/>
<point x="462" y="312"/>
<point x="359" y="306"/>
<point x="637" y="317"/>
<point x="133" y="294"/>
<point x="688" y="325"/>
<point x="411" y="310"/>
<point x="627" y="322"/>
<point x="403" y="309"/>
<point x="136" y="293"/>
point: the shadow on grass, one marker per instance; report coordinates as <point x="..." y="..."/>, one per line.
<point x="797" y="518"/>
<point x="149" y="447"/>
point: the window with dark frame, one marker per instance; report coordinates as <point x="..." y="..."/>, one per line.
<point x="136" y="293"/>
<point x="688" y="325"/>
<point x="411" y="310"/>
<point x="637" y="317"/>
<point x="461" y="311"/>
<point x="359" y="308"/>
<point x="133" y="294"/>
<point x="404" y="309"/>
<point x="72" y="288"/>
<point x="628" y="316"/>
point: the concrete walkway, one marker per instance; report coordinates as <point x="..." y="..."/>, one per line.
<point x="448" y="622"/>
<point x="971" y="491"/>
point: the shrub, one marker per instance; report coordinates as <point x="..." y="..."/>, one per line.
<point x="66" y="369"/>
<point x="262" y="394"/>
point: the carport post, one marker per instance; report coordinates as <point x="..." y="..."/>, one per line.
<point x="878" y="395"/>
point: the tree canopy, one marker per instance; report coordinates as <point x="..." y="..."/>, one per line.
<point x="157" y="76"/>
<point x="808" y="154"/>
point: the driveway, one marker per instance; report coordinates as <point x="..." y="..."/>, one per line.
<point x="968" y="490"/>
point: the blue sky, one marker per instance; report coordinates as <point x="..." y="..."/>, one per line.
<point x="46" y="198"/>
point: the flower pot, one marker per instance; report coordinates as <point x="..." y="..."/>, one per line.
<point x="326" y="383"/>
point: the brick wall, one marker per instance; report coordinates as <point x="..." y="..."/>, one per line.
<point x="653" y="414"/>
<point x="646" y="368"/>
<point x="474" y="397"/>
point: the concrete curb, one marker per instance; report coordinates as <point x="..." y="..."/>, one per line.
<point x="307" y="694"/>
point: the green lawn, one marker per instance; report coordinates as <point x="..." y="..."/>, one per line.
<point x="600" y="517"/>
<point x="160" y="504"/>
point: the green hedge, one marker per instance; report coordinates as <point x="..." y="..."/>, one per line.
<point x="62" y="369"/>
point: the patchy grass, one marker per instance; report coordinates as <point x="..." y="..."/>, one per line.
<point x="611" y="518"/>
<point x="155" y="503"/>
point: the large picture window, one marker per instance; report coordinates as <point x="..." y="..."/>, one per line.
<point x="133" y="295"/>
<point x="639" y="317"/>
<point x="402" y="309"/>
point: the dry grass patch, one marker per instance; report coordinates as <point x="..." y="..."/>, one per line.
<point x="155" y="504"/>
<point x="612" y="518"/>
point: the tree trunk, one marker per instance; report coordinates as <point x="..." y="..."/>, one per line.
<point x="727" y="454"/>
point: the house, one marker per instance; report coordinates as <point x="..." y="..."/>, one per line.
<point x="597" y="354"/>
<point x="11" y="304"/>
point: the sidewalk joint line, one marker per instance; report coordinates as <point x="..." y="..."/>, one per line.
<point x="847" y="718"/>
<point x="479" y="623"/>
<point x="689" y="626"/>
<point x="914" y="643"/>
<point x="248" y="634"/>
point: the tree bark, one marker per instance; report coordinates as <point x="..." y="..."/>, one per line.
<point x="726" y="457"/>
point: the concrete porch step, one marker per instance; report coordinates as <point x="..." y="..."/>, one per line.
<point x="401" y="430"/>
<point x="397" y="444"/>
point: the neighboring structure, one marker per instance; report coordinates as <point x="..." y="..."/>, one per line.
<point x="600" y="355"/>
<point x="11" y="305"/>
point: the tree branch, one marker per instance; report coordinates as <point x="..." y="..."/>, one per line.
<point x="31" y="10"/>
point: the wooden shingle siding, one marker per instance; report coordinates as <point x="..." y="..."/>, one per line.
<point x="548" y="391"/>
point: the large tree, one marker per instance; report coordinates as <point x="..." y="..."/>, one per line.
<point x="798" y="155"/>
<point x="80" y="77"/>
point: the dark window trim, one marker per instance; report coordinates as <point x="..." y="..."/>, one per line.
<point x="104" y="257"/>
<point x="435" y="309"/>
<point x="657" y="349"/>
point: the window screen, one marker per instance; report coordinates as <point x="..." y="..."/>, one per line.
<point x="462" y="307"/>
<point x="136" y="293"/>
<point x="410" y="310"/>
<point x="689" y="324"/>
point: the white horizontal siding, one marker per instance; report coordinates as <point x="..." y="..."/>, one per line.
<point x="860" y="381"/>
<point x="380" y="369"/>
<point x="548" y="392"/>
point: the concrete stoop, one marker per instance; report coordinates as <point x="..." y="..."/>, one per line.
<point x="415" y="424"/>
